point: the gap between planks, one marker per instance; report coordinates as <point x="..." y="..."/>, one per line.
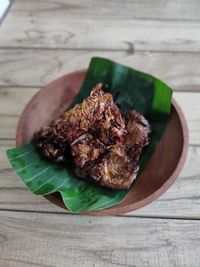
<point x="121" y="215"/>
<point x="31" y="87"/>
<point x="129" y="51"/>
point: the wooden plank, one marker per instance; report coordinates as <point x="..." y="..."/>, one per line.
<point x="60" y="240"/>
<point x="66" y="31"/>
<point x="181" y="200"/>
<point x="98" y="10"/>
<point x="12" y="103"/>
<point x="189" y="102"/>
<point x="38" y="67"/>
<point x="13" y="100"/>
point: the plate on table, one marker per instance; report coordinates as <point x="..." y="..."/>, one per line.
<point x="161" y="170"/>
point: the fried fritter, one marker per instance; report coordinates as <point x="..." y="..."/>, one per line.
<point x="110" y="129"/>
<point x="119" y="167"/>
<point x="49" y="146"/>
<point x="86" y="149"/>
<point x="137" y="128"/>
<point x="105" y="146"/>
<point x="77" y="121"/>
<point x="114" y="170"/>
<point x="88" y="127"/>
<point x="97" y="114"/>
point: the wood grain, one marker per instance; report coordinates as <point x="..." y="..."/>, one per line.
<point x="94" y="9"/>
<point x="181" y="200"/>
<point x="33" y="239"/>
<point x="43" y="39"/>
<point x="12" y="102"/>
<point x="34" y="29"/>
<point x="21" y="67"/>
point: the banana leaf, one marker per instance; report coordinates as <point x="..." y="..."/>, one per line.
<point x="131" y="89"/>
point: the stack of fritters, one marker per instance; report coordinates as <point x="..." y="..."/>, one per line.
<point x="105" y="146"/>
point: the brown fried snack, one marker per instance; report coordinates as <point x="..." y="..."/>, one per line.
<point x="137" y="128"/>
<point x="114" y="170"/>
<point x="78" y="120"/>
<point x="110" y="129"/>
<point x="49" y="146"/>
<point x="86" y="149"/>
<point x="88" y="127"/>
<point x="98" y="114"/>
<point x="118" y="168"/>
<point x="105" y="146"/>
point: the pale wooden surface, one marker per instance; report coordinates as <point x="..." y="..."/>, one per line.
<point x="41" y="40"/>
<point x="31" y="239"/>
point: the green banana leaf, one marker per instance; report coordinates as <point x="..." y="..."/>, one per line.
<point x="131" y="89"/>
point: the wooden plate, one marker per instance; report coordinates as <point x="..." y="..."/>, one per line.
<point x="161" y="171"/>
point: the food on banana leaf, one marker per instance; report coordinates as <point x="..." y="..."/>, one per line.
<point x="105" y="144"/>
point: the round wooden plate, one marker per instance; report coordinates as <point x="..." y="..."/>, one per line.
<point x="160" y="172"/>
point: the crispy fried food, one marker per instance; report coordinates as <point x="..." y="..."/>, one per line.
<point x="114" y="170"/>
<point x="49" y="146"/>
<point x="110" y="129"/>
<point x="97" y="114"/>
<point x="86" y="149"/>
<point x="88" y="127"/>
<point x="119" y="167"/>
<point x="77" y="121"/>
<point x="105" y="146"/>
<point x="137" y="128"/>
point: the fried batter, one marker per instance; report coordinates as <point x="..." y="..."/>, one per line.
<point x="113" y="171"/>
<point x="88" y="127"/>
<point x="86" y="149"/>
<point x="110" y="129"/>
<point x="119" y="166"/>
<point x="49" y="146"/>
<point x="137" y="127"/>
<point x="105" y="146"/>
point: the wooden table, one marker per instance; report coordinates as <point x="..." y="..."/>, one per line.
<point x="41" y="40"/>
